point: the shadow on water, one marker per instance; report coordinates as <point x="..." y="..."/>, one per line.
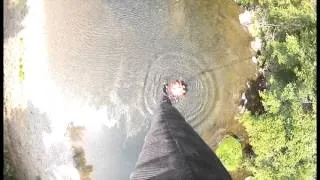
<point x="13" y="15"/>
<point x="114" y="154"/>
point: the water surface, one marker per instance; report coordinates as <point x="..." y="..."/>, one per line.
<point x="115" y="55"/>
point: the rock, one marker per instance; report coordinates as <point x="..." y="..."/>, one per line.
<point x="256" y="44"/>
<point x="252" y="29"/>
<point x="242" y="109"/>
<point x="243" y="96"/>
<point x="248" y="84"/>
<point x="245" y="18"/>
<point x="254" y="60"/>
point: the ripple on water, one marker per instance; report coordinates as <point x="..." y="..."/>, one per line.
<point x="199" y="101"/>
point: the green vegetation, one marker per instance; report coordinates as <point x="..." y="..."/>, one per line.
<point x="229" y="152"/>
<point x="21" y="71"/>
<point x="283" y="139"/>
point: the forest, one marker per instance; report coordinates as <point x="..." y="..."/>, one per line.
<point x="283" y="137"/>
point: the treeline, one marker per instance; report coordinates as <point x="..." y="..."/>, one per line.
<point x="283" y="138"/>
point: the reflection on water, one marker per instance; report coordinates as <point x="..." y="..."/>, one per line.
<point x="118" y="54"/>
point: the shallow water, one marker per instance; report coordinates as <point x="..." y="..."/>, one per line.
<point x="114" y="56"/>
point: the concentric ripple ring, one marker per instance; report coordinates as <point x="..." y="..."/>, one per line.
<point x="200" y="99"/>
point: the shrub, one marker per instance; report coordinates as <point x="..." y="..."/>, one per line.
<point x="229" y="152"/>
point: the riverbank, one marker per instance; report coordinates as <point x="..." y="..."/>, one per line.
<point x="282" y="98"/>
<point x="247" y="97"/>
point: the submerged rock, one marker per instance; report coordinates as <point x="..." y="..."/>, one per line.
<point x="254" y="60"/>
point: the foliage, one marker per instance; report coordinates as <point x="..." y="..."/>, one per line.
<point x="80" y="163"/>
<point x="284" y="138"/>
<point x="9" y="170"/>
<point x="229" y="152"/>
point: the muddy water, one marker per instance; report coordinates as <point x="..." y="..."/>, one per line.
<point x="117" y="54"/>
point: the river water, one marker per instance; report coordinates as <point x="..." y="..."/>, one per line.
<point x="115" y="55"/>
